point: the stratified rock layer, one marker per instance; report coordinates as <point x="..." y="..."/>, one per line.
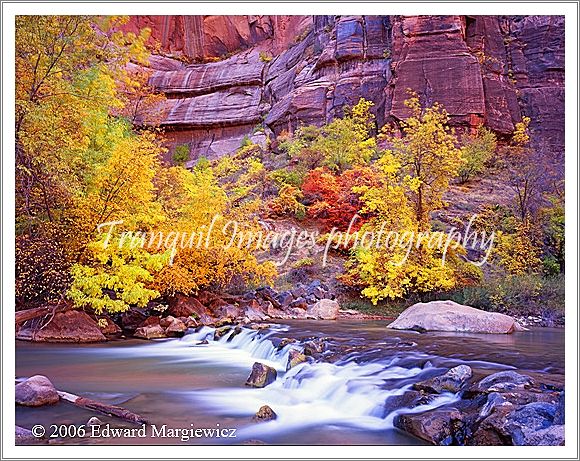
<point x="274" y="73"/>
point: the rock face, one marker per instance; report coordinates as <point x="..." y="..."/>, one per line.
<point x="71" y="326"/>
<point x="450" y="316"/>
<point x="36" y="392"/>
<point x="198" y="38"/>
<point x="261" y="75"/>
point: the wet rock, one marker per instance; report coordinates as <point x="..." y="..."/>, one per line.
<point x="24" y="436"/>
<point x="150" y="332"/>
<point x="151" y="320"/>
<point x="36" y="391"/>
<point x="559" y="415"/>
<point x="255" y="313"/>
<point x="176" y="328"/>
<point x="202" y="343"/>
<point x="166" y="321"/>
<point x="492" y="430"/>
<point x="299" y="291"/>
<point x="71" y="326"/>
<point x="223" y="321"/>
<point x="187" y="306"/>
<point x="451" y="316"/>
<point x="294" y="358"/>
<point x="107" y="326"/>
<point x="284" y="299"/>
<point x="284" y="342"/>
<point x="314" y="348"/>
<point x="504" y="381"/>
<point x="325" y="309"/>
<point x="265" y="413"/>
<point x="452" y="381"/>
<point x="132" y="318"/>
<point x="299" y="303"/>
<point x="409" y="399"/>
<point x="229" y="311"/>
<point x="189" y="322"/>
<point x="261" y="375"/>
<point x="221" y="332"/>
<point x="236" y="331"/>
<point x="494" y="400"/>
<point x="527" y="424"/>
<point x="438" y="427"/>
<point x="94" y="421"/>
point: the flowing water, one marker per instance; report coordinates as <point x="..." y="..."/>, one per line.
<point x="353" y="400"/>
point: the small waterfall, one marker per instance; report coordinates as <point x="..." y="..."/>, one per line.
<point x="239" y="350"/>
<point x="345" y="393"/>
<point x="354" y="392"/>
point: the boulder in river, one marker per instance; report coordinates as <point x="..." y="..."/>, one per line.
<point x="325" y="309"/>
<point x="265" y="413"/>
<point x="294" y="358"/>
<point x="71" y="326"/>
<point x="452" y="381"/>
<point x="36" y="391"/>
<point x="451" y="316"/>
<point x="261" y="375"/>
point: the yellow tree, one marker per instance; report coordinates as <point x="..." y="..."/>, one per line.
<point x="428" y="154"/>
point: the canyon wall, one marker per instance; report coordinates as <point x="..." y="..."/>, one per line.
<point x="226" y="77"/>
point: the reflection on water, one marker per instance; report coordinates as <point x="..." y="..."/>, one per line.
<point x="180" y="382"/>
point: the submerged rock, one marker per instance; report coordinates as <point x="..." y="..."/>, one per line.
<point x="265" y="413"/>
<point x="452" y="381"/>
<point x="261" y="375"/>
<point x="36" y="391"/>
<point x="451" y="316"/>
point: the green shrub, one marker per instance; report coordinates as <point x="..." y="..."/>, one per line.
<point x="181" y="154"/>
<point x="286" y="176"/>
<point x="246" y="141"/>
<point x="527" y="294"/>
<point x="477" y="151"/>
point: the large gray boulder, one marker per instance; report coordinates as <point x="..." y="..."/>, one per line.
<point x="451" y="316"/>
<point x="36" y="391"/>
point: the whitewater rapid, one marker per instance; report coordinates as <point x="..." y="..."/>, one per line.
<point x="349" y="393"/>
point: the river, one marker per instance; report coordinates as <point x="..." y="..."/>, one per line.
<point x="179" y="382"/>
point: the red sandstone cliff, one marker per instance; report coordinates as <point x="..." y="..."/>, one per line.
<point x="483" y="69"/>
